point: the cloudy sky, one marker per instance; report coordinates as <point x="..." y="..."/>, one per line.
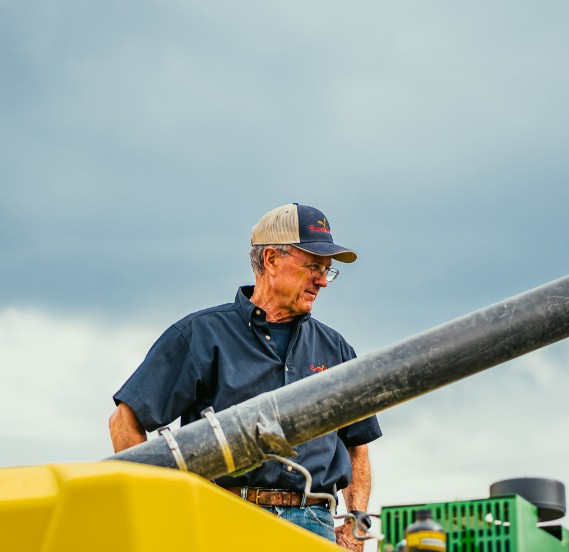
<point x="140" y="141"/>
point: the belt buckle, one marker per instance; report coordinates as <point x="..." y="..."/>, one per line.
<point x="272" y="491"/>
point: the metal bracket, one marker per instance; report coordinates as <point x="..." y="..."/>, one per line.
<point x="308" y="484"/>
<point x="332" y="499"/>
<point x="357" y="524"/>
<point x="173" y="446"/>
<point x="209" y="415"/>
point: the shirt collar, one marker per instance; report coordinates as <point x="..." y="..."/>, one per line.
<point x="243" y="304"/>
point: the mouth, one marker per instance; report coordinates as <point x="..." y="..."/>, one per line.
<point x="311" y="294"/>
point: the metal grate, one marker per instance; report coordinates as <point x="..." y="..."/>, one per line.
<point x="474" y="526"/>
<point x="499" y="524"/>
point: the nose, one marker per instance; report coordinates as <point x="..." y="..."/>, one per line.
<point x="320" y="280"/>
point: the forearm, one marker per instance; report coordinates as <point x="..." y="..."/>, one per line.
<point x="356" y="494"/>
<point x="126" y="431"/>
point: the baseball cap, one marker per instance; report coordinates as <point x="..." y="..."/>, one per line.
<point x="304" y="227"/>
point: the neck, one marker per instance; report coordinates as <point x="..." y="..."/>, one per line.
<point x="264" y="299"/>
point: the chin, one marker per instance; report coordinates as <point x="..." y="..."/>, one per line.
<point x="305" y="308"/>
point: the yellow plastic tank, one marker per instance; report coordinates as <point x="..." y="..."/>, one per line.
<point x="119" y="506"/>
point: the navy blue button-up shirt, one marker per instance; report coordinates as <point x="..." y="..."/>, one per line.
<point x="223" y="356"/>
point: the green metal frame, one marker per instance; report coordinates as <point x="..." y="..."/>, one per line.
<point x="499" y="524"/>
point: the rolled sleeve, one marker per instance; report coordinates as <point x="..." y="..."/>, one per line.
<point x="164" y="384"/>
<point x="360" y="433"/>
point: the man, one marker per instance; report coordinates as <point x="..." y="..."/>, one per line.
<point x="267" y="338"/>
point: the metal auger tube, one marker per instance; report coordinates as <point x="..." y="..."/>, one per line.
<point x="301" y="411"/>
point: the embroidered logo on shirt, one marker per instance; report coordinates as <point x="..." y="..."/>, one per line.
<point x="325" y="226"/>
<point x="322" y="368"/>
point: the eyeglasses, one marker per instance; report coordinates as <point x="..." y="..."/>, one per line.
<point x="317" y="270"/>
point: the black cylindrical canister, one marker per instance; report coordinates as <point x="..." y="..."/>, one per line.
<point x="424" y="534"/>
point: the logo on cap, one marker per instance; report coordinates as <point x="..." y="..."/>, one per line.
<point x="325" y="226"/>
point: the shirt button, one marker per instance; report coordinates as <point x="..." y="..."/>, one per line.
<point x="267" y="337"/>
<point x="257" y="311"/>
<point x="286" y="368"/>
<point x="289" y="468"/>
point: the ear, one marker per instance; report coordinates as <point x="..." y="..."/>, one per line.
<point x="271" y="260"/>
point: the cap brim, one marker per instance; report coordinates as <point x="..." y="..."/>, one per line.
<point x="327" y="249"/>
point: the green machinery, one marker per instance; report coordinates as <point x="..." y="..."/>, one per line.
<point x="504" y="523"/>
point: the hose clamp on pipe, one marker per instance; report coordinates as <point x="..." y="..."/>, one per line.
<point x="173" y="446"/>
<point x="210" y="416"/>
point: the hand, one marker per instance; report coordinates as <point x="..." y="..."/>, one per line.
<point x="346" y="539"/>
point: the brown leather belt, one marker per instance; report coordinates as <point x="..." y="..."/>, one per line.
<point x="275" y="497"/>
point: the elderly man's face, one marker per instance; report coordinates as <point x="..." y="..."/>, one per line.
<point x="299" y="279"/>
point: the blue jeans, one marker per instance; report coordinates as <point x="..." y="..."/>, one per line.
<point x="316" y="518"/>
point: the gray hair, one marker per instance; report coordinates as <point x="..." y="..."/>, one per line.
<point x="257" y="256"/>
